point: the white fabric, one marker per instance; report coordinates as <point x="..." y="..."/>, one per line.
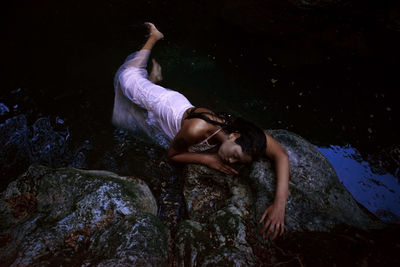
<point x="140" y="104"/>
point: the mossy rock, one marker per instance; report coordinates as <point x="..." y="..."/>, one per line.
<point x="75" y="217"/>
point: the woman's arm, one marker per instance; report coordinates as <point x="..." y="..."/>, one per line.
<point x="274" y="215"/>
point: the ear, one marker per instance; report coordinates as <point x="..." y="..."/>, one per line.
<point x="233" y="136"/>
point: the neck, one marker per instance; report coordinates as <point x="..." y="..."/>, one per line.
<point x="222" y="136"/>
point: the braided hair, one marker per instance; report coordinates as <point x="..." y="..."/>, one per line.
<point x="252" y="138"/>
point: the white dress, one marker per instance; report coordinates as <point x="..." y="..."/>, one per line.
<point x="142" y="106"/>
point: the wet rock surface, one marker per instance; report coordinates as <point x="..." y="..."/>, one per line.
<point x="129" y="155"/>
<point x="223" y="210"/>
<point x="296" y="38"/>
<point x="317" y="200"/>
<point x="218" y="207"/>
<point x="96" y="217"/>
<point x="75" y="217"/>
<point x="22" y="145"/>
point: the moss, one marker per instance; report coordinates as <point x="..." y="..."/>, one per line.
<point x="77" y="219"/>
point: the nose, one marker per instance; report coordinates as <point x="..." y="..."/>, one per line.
<point x="232" y="160"/>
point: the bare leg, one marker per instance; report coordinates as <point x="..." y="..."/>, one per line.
<point x="155" y="73"/>
<point x="140" y="60"/>
<point x="154" y="36"/>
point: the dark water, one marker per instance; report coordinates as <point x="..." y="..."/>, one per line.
<point x="329" y="75"/>
<point x="378" y="192"/>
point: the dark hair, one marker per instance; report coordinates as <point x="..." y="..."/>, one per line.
<point x="252" y="138"/>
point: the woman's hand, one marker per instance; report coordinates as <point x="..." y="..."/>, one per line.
<point x="274" y="217"/>
<point x="214" y="161"/>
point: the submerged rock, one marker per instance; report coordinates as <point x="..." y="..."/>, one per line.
<point x="76" y="217"/>
<point x="223" y="210"/>
<point x="3" y="109"/>
<point x="22" y="145"/>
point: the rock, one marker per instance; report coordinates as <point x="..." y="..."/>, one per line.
<point x="130" y="156"/>
<point x="223" y="210"/>
<point x="75" y="217"/>
<point x="15" y="152"/>
<point x="21" y="145"/>
<point x="317" y="200"/>
<point x="217" y="231"/>
<point x="3" y="109"/>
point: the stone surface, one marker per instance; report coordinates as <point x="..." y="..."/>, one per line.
<point x="74" y="217"/>
<point x="317" y="200"/>
<point x="217" y="232"/>
<point x="22" y="145"/>
<point x="3" y="109"/>
<point x="130" y="156"/>
<point x="223" y="210"/>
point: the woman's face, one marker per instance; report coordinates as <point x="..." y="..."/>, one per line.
<point x="230" y="152"/>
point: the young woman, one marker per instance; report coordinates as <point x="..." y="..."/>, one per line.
<point x="170" y="119"/>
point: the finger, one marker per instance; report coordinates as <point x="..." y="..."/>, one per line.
<point x="223" y="170"/>
<point x="234" y="171"/>
<point x="270" y="230"/>
<point x="231" y="170"/>
<point x="267" y="224"/>
<point x="263" y="217"/>
<point x="282" y="230"/>
<point x="276" y="231"/>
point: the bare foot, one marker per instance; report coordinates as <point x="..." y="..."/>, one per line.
<point x="153" y="31"/>
<point x="155" y="74"/>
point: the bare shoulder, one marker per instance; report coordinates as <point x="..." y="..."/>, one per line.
<point x="273" y="148"/>
<point x="199" y="109"/>
<point x="194" y="128"/>
<point x="191" y="132"/>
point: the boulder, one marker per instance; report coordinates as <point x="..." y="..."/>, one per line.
<point x="317" y="201"/>
<point x="217" y="232"/>
<point x="75" y="217"/>
<point x="22" y="145"/>
<point x="223" y="210"/>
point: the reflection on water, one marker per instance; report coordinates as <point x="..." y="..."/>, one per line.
<point x="379" y="193"/>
